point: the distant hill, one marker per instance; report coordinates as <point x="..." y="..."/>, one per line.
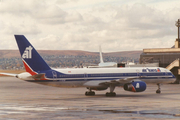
<point x="10" y="59"/>
<point x="15" y="53"/>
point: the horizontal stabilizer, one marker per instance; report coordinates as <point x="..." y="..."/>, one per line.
<point x="39" y="76"/>
<point x="9" y="74"/>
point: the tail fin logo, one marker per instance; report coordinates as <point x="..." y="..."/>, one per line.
<point x="27" y="53"/>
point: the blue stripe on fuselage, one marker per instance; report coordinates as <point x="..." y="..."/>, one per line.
<point x="110" y="76"/>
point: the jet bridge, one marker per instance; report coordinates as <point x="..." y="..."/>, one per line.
<point x="174" y="67"/>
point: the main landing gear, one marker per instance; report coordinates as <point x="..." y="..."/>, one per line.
<point x="89" y="93"/>
<point x="108" y="94"/>
<point x="111" y="93"/>
<point x="158" y="91"/>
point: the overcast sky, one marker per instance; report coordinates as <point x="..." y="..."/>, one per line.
<point x="116" y="25"/>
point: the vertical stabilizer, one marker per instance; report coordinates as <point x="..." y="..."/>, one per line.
<point x="33" y="62"/>
<point x="100" y="53"/>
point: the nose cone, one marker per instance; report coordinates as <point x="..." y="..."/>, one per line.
<point x="171" y="77"/>
<point x="168" y="76"/>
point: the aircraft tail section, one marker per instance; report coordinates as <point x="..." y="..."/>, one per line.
<point x="100" y="54"/>
<point x="33" y="62"/>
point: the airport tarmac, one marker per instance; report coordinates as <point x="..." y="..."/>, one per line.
<point x="21" y="100"/>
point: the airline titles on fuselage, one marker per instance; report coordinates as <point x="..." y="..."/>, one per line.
<point x="151" y="70"/>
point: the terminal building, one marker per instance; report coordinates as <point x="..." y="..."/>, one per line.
<point x="166" y="57"/>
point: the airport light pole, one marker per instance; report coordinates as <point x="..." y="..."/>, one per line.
<point x="178" y="25"/>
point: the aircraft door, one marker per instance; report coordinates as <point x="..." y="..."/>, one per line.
<point x="85" y="76"/>
<point x="54" y="73"/>
<point x="138" y="73"/>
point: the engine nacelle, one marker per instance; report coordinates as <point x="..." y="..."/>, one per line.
<point x="135" y="86"/>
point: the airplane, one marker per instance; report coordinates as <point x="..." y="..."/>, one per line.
<point x="102" y="63"/>
<point x="105" y="64"/>
<point x="131" y="79"/>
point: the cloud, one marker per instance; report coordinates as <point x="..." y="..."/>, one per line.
<point x="39" y="10"/>
<point x="21" y="29"/>
<point x="48" y="42"/>
<point x="80" y="25"/>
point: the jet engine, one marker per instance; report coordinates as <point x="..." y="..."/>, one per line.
<point x="135" y="86"/>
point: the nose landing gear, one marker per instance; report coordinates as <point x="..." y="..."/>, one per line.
<point x="158" y="91"/>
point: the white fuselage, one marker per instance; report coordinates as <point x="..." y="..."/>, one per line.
<point x="94" y="76"/>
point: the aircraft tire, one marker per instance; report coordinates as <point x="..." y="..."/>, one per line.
<point x="110" y="94"/>
<point x="158" y="91"/>
<point x="91" y="93"/>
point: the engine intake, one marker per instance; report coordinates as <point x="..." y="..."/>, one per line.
<point x="135" y="86"/>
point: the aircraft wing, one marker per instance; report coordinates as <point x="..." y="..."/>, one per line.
<point x="128" y="79"/>
<point x="120" y="81"/>
<point x="9" y="74"/>
<point x="117" y="82"/>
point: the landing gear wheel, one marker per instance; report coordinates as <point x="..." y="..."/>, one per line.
<point x="90" y="93"/>
<point x="110" y="94"/>
<point x="158" y="91"/>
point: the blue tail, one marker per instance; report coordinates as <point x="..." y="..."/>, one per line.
<point x="33" y="62"/>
